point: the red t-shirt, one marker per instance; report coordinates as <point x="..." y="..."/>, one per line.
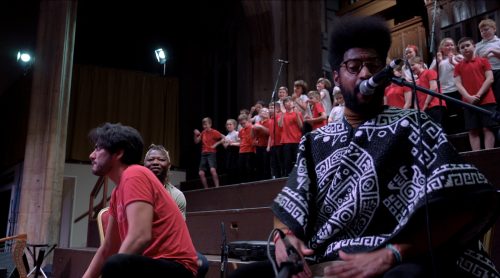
<point x="472" y="73"/>
<point x="208" y="139"/>
<point x="394" y="94"/>
<point x="246" y="140"/>
<point x="424" y="80"/>
<point x="291" y="130"/>
<point x="275" y="131"/>
<point x="260" y="136"/>
<point x="170" y="237"/>
<point x="316" y="110"/>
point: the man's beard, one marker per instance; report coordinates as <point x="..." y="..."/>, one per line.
<point x="369" y="108"/>
<point x="102" y="168"/>
<point x="162" y="176"/>
<point x="160" y="173"/>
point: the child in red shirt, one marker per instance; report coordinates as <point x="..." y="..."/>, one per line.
<point x="247" y="149"/>
<point x="274" y="145"/>
<point x="433" y="106"/>
<point x="397" y="96"/>
<point x="260" y="132"/>
<point x="291" y="121"/>
<point x="473" y="78"/>
<point x="318" y="117"/>
<point x="208" y="138"/>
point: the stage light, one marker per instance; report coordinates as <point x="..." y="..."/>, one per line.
<point x="24" y="57"/>
<point x="161" y="56"/>
<point x="26" y="60"/>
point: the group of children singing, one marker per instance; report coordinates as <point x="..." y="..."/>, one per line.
<point x="473" y="76"/>
<point x="262" y="143"/>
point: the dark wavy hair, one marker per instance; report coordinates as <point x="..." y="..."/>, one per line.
<point x="358" y="32"/>
<point x="115" y="137"/>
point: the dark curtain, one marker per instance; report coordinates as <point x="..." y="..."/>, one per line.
<point x="146" y="102"/>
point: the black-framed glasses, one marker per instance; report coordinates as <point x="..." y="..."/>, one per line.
<point x="354" y="66"/>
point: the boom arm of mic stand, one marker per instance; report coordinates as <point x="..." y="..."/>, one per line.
<point x="276" y="83"/>
<point x="400" y="81"/>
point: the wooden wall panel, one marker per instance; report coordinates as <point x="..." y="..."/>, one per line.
<point x="409" y="32"/>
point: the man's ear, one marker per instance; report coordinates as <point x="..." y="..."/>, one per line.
<point x="335" y="78"/>
<point x="119" y="154"/>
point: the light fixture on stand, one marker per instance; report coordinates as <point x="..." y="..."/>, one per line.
<point x="25" y="59"/>
<point x="161" y="57"/>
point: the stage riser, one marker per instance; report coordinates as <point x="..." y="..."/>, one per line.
<point x="488" y="162"/>
<point x="247" y="224"/>
<point x="460" y="141"/>
<point x="71" y="263"/>
<point x="248" y="195"/>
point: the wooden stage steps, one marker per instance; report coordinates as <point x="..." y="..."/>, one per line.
<point x="245" y="211"/>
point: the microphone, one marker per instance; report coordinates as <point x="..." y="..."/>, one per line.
<point x="294" y="263"/>
<point x="367" y="87"/>
<point x="282" y="61"/>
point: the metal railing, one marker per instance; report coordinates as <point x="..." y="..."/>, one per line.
<point x="102" y="183"/>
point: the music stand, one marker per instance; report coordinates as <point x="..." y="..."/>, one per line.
<point x="38" y="253"/>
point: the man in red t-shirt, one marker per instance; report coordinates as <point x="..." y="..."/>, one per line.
<point x="146" y="234"/>
<point x="209" y="138"/>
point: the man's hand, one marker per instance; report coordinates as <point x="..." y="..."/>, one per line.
<point x="371" y="264"/>
<point x="282" y="256"/>
<point x="196" y="132"/>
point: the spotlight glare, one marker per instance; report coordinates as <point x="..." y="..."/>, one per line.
<point x="161" y="56"/>
<point x="24" y="57"/>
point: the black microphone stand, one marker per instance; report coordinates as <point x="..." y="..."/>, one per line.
<point x="426" y="169"/>
<point x="273" y="100"/>
<point x="282" y="62"/>
<point x="434" y="49"/>
<point x="224" y="252"/>
<point x="400" y="81"/>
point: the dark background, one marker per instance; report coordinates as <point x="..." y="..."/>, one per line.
<point x="209" y="45"/>
<point x="199" y="37"/>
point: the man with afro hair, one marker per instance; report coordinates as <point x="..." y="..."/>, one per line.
<point x="382" y="193"/>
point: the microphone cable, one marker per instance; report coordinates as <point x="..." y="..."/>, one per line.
<point x="274" y="264"/>
<point x="425" y="169"/>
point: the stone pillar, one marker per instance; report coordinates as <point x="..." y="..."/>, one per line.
<point x="41" y="191"/>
